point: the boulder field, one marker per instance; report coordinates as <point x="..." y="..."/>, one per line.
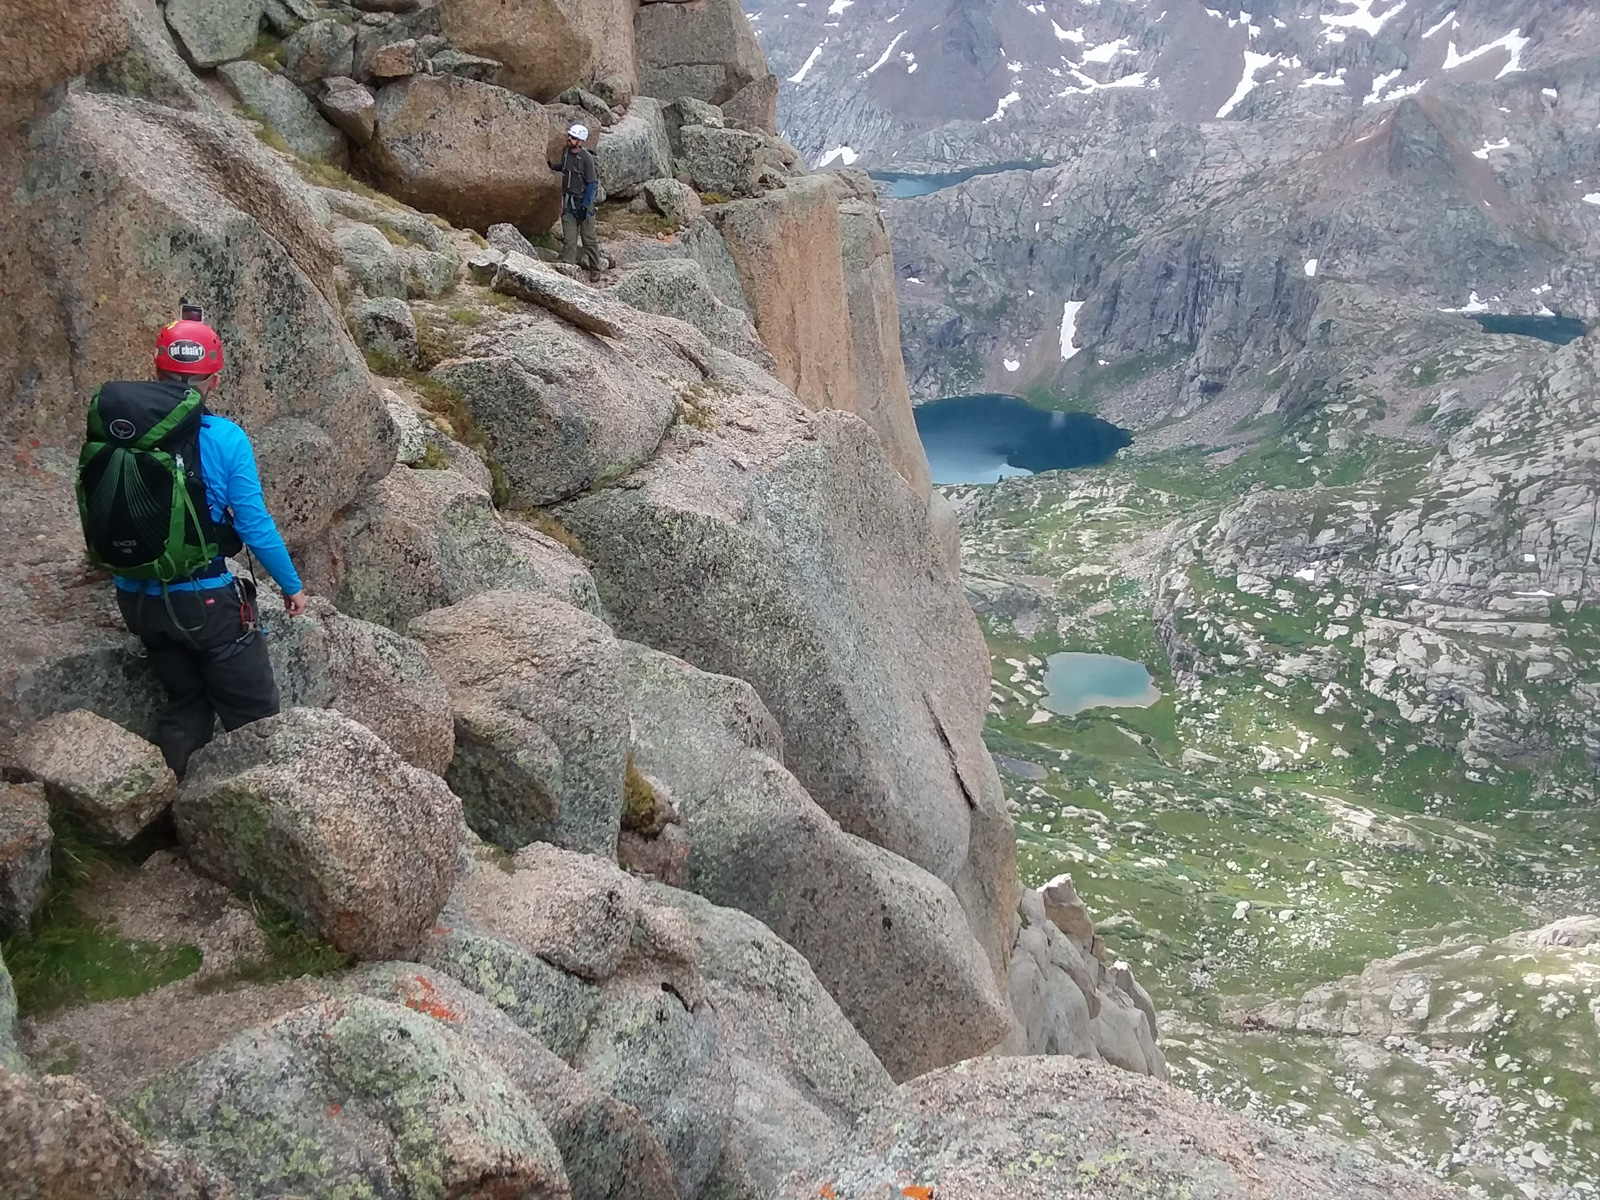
<point x="637" y="566"/>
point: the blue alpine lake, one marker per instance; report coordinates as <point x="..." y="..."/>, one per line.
<point x="982" y="439"/>
<point x="901" y="186"/>
<point x="1555" y="330"/>
<point x="1075" y="682"/>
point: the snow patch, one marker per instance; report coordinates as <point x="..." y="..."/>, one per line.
<point x="1489" y="148"/>
<point x="1512" y="42"/>
<point x="884" y="57"/>
<point x="843" y="153"/>
<point x="1550" y="93"/>
<point x="1450" y="20"/>
<point x="1069" y="328"/>
<point x="1311" y="268"/>
<point x="1105" y="53"/>
<point x="1363" y="18"/>
<point x="1381" y="82"/>
<point x="1011" y="364"/>
<point x="1473" y="305"/>
<point x="800" y="75"/>
<point x="1592" y="198"/>
<point x="1068" y="35"/>
<point x="838" y="6"/>
<point x="1308" y="574"/>
<point x="1006" y="102"/>
<point x="1253" y="64"/>
<point x="1334" y="80"/>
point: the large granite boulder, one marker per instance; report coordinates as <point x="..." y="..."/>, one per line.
<point x="370" y="674"/>
<point x="25" y="841"/>
<point x="469" y="151"/>
<point x="802" y="1074"/>
<point x="885" y="938"/>
<point x="638" y="1022"/>
<point x="1057" y="1127"/>
<point x="541" y="719"/>
<point x="606" y="1148"/>
<point x="426" y="539"/>
<point x="709" y="52"/>
<point x="113" y="781"/>
<point x="43" y="44"/>
<point x="563" y="410"/>
<point x="634" y="149"/>
<point x="546" y="46"/>
<point x="724" y="162"/>
<point x="314" y="813"/>
<point x="284" y="108"/>
<point x="214" y="31"/>
<point x="323" y="49"/>
<point x="63" y="1142"/>
<point x="680" y="288"/>
<point x="785" y="551"/>
<point x="674" y="200"/>
<point x="355" y="1096"/>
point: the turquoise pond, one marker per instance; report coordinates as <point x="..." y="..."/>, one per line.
<point x="1075" y="682"/>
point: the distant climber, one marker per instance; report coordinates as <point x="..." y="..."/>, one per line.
<point x="580" y="186"/>
<point x="165" y="490"/>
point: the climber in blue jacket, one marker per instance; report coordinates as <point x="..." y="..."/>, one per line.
<point x="198" y="624"/>
<point x="580" y="185"/>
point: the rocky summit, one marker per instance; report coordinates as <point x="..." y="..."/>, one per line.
<point x="643" y="817"/>
<point x="1331" y="264"/>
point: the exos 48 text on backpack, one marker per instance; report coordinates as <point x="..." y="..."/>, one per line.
<point x="141" y="494"/>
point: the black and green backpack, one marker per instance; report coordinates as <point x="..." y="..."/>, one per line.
<point x="141" y="495"/>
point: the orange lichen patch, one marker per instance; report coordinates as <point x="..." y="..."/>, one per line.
<point x="334" y="1109"/>
<point x="917" y="1192"/>
<point x="827" y="1193"/>
<point x="421" y="996"/>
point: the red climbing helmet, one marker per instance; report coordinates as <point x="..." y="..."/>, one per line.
<point x="189" y="346"/>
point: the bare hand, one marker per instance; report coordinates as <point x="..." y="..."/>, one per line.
<point x="295" y="605"/>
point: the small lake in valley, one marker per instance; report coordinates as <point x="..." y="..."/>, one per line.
<point x="1556" y="330"/>
<point x="899" y="186"/>
<point x="983" y="439"/>
<point x="1075" y="682"/>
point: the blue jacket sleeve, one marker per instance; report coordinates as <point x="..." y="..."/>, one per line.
<point x="241" y="492"/>
<point x="588" y="196"/>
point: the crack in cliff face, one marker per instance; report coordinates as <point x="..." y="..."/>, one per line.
<point x="967" y="793"/>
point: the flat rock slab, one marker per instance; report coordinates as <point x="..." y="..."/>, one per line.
<point x="574" y="302"/>
<point x="1065" y="1129"/>
<point x="112" y="780"/>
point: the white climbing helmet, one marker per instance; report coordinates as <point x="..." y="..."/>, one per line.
<point x="581" y="132"/>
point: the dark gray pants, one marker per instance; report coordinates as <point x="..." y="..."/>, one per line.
<point x="571" y="228"/>
<point x="212" y="665"/>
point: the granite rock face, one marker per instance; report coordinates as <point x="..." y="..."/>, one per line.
<point x="541" y="723"/>
<point x="886" y="939"/>
<point x="765" y="579"/>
